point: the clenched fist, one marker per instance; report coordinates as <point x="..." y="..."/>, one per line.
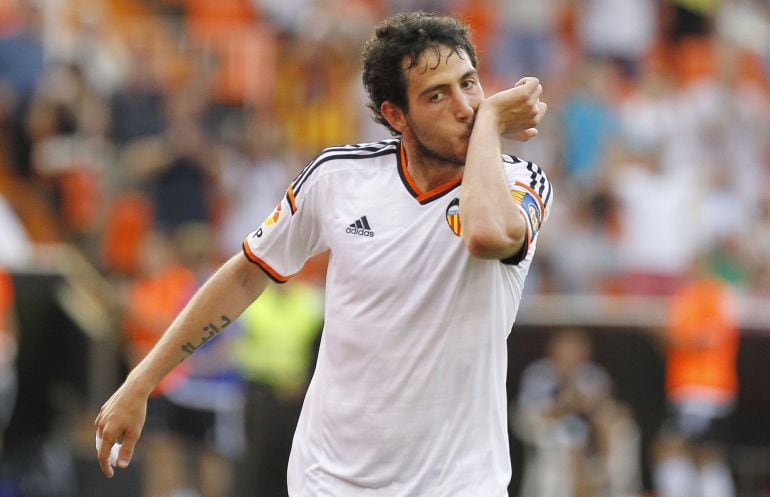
<point x="518" y="110"/>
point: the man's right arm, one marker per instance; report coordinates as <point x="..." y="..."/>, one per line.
<point x="219" y="302"/>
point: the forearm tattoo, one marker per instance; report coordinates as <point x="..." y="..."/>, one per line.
<point x="209" y="331"/>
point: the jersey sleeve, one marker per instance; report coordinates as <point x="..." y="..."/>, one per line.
<point x="533" y="195"/>
<point x="290" y="235"/>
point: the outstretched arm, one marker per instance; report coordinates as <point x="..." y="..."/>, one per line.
<point x="221" y="300"/>
<point x="493" y="227"/>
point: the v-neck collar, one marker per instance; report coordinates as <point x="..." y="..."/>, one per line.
<point x="411" y="186"/>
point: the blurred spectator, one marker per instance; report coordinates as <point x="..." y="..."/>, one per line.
<point x="7" y="353"/>
<point x="282" y="13"/>
<point x="757" y="250"/>
<point x="587" y="226"/>
<point x="701" y="385"/>
<point x="205" y="406"/>
<point x="315" y="104"/>
<point x="237" y="50"/>
<point x="128" y="221"/>
<point x="16" y="246"/>
<point x="194" y="419"/>
<point x="397" y="6"/>
<point x="589" y="123"/>
<point x="345" y="22"/>
<point x="21" y="47"/>
<point x="86" y="35"/>
<point x="526" y="41"/>
<point x="745" y="23"/>
<point x="657" y="239"/>
<point x="152" y="301"/>
<point x="137" y="106"/>
<point x="22" y="61"/>
<point x="691" y="126"/>
<point x="275" y="354"/>
<point x="67" y="125"/>
<point x="690" y="18"/>
<point x="622" y="31"/>
<point x="254" y="172"/>
<point x="645" y="112"/>
<point x="179" y="168"/>
<point x="741" y="135"/>
<point x="725" y="223"/>
<point x="580" y="440"/>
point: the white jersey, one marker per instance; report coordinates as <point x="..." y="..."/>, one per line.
<point x="408" y="396"/>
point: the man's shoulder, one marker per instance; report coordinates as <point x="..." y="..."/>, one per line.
<point x="520" y="165"/>
<point x="346" y="159"/>
<point x="530" y="176"/>
<point x="353" y="153"/>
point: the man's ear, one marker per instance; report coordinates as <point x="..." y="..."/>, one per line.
<point x="394" y="115"/>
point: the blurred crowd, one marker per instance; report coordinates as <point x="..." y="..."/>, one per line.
<point x="153" y="135"/>
<point x="124" y="117"/>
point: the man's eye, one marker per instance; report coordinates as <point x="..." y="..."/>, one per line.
<point x="436" y="97"/>
<point x="469" y="83"/>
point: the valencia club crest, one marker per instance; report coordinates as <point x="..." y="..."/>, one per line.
<point x="453" y="217"/>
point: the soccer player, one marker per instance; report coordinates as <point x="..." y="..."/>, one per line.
<point x="431" y="234"/>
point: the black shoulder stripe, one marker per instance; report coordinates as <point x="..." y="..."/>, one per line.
<point x="362" y="147"/>
<point x="539" y="182"/>
<point x="300" y="174"/>
<point x="511" y="159"/>
<point x="297" y="186"/>
<point x="534" y="177"/>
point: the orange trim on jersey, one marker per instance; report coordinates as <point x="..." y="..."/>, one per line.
<point x="421" y="196"/>
<point x="272" y="273"/>
<point x="533" y="192"/>
<point x="290" y="198"/>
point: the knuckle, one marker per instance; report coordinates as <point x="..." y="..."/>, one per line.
<point x="108" y="435"/>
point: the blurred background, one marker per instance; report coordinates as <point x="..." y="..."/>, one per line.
<point x="141" y="140"/>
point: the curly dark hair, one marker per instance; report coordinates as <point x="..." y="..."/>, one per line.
<point x="407" y="36"/>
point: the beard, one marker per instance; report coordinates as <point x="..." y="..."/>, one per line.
<point x="439" y="156"/>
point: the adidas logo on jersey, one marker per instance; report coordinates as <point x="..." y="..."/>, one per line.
<point x="360" y="227"/>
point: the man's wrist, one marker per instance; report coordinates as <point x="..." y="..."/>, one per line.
<point x="488" y="113"/>
<point x="139" y="383"/>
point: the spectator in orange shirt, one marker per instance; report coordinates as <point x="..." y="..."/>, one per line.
<point x="158" y="292"/>
<point x="194" y="416"/>
<point x="701" y="387"/>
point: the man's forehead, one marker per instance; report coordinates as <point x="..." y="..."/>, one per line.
<point x="432" y="57"/>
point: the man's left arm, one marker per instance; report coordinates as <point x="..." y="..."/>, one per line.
<point x="493" y="225"/>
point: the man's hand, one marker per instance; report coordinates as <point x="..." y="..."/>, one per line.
<point x="518" y="110"/>
<point x="120" y="419"/>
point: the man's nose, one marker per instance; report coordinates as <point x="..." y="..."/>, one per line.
<point x="462" y="107"/>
